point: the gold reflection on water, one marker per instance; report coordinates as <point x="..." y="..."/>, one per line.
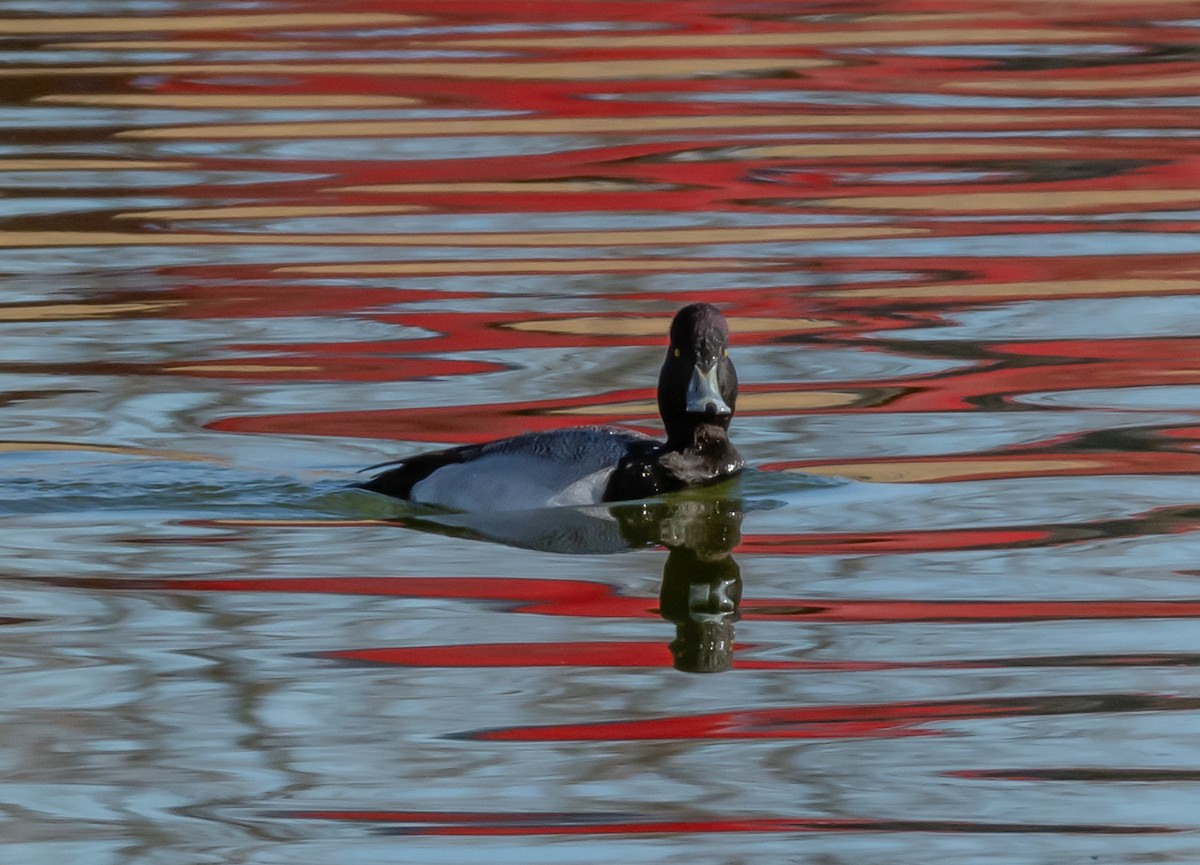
<point x="1018" y="202"/>
<point x="949" y="470"/>
<point x="88" y="164"/>
<point x="194" y="368"/>
<point x="182" y="43"/>
<point x="228" y="100"/>
<point x="577" y="265"/>
<point x="643" y="237"/>
<point x="72" y="311"/>
<point x="766" y="402"/>
<point x="606" y="326"/>
<point x="586" y="70"/>
<point x="182" y="23"/>
<point x="796" y="400"/>
<point x="1088" y="85"/>
<point x="502" y="188"/>
<point x="891" y="149"/>
<point x="31" y="446"/>
<point x="272" y="211"/>
<point x="600" y="125"/>
<point x="892" y="18"/>
<point x="1062" y="288"/>
<point x="831" y="38"/>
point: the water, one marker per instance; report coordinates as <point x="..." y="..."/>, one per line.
<point x="250" y="249"/>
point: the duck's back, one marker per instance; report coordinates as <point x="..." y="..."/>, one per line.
<point x="535" y="470"/>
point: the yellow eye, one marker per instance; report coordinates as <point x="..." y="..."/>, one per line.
<point x="677" y="353"/>
<point x="724" y="352"/>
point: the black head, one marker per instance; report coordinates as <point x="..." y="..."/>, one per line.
<point x="698" y="384"/>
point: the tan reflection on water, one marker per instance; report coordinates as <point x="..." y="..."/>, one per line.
<point x="89" y="164"/>
<point x="919" y="472"/>
<point x="501" y="188"/>
<point x="228" y="100"/>
<point x="181" y="43"/>
<point x="890" y="149"/>
<point x="34" y="446"/>
<point x="1156" y="83"/>
<point x="182" y="23"/>
<point x="195" y="368"/>
<point x="574" y="265"/>
<point x="72" y="311"/>
<point x="588" y="125"/>
<point x="833" y="38"/>
<point x="700" y="236"/>
<point x="1064" y="288"/>
<point x="1030" y="201"/>
<point x="272" y="211"/>
<point x="582" y="70"/>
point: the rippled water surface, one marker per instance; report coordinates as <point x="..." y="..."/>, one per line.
<point x="250" y="248"/>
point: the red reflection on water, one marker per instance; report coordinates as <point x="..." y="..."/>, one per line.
<point x="257" y="291"/>
<point x="453" y="424"/>
<point x="1065" y="366"/>
<point x="894" y="542"/>
<point x="568" y="654"/>
<point x="1022" y="464"/>
<point x="657" y="654"/>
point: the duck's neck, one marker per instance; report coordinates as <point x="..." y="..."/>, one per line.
<point x="696" y="454"/>
<point x="697" y="436"/>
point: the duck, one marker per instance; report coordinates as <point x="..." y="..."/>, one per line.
<point x="592" y="465"/>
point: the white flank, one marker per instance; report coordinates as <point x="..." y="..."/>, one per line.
<point x="511" y="482"/>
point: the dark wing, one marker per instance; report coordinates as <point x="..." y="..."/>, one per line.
<point x="399" y="481"/>
<point x="578" y="450"/>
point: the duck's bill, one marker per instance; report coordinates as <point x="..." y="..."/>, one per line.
<point x="704" y="393"/>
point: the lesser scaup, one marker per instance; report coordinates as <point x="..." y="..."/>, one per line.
<point x="697" y="392"/>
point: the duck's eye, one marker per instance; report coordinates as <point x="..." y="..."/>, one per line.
<point x="678" y="353"/>
<point x="724" y="352"/>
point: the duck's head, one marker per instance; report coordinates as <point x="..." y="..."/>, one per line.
<point x="698" y="385"/>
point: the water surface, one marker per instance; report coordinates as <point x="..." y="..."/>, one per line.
<point x="249" y="249"/>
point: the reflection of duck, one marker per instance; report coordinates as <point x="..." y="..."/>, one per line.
<point x="701" y="596"/>
<point x="697" y="391"/>
<point x="701" y="584"/>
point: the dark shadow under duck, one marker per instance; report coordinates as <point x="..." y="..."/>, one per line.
<point x="697" y="393"/>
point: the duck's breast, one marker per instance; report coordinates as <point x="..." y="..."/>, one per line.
<point x="537" y="470"/>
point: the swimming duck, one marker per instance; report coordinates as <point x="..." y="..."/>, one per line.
<point x="697" y="391"/>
